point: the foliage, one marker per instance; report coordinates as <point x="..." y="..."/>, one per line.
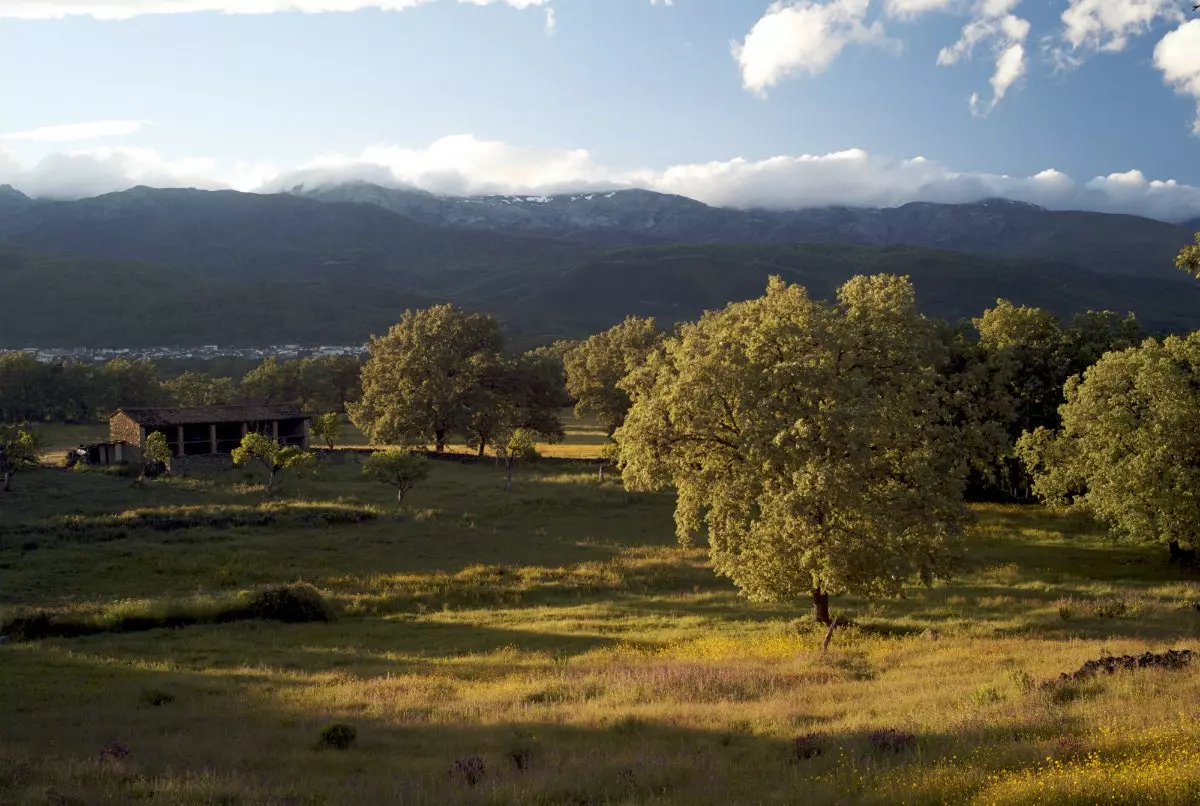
<point x="596" y="366"/>
<point x="1026" y="355"/>
<point x="156" y="450"/>
<point x="123" y="383"/>
<point x="808" y="438"/>
<point x="975" y="386"/>
<point x="272" y="456"/>
<point x="338" y="736"/>
<point x="522" y="393"/>
<point x="1189" y="258"/>
<point x="271" y="382"/>
<point x="19" y="447"/>
<point x="327" y="428"/>
<point x="293" y="604"/>
<point x="1127" y="451"/>
<point x="200" y="389"/>
<point x="419" y="381"/>
<point x="522" y="446"/>
<point x="400" y="467"/>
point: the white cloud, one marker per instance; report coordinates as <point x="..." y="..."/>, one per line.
<point x="1178" y="57"/>
<point x="801" y="37"/>
<point x="70" y="132"/>
<point x="127" y="9"/>
<point x="1106" y="25"/>
<point x="907" y="9"/>
<point x="1007" y="32"/>
<point x="466" y="165"/>
<point x="551" y="21"/>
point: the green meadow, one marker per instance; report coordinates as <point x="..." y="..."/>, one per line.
<point x="553" y="645"/>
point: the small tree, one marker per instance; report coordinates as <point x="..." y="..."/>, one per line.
<point x="327" y="428"/>
<point x="155" y="452"/>
<point x="18" y="448"/>
<point x="521" y="446"/>
<point x="400" y="467"/>
<point x="274" y="457"/>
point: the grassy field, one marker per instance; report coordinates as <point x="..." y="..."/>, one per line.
<point x="553" y="646"/>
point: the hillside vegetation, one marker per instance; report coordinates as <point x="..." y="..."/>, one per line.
<point x="58" y="301"/>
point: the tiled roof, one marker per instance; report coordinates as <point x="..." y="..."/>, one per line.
<point x="193" y="415"/>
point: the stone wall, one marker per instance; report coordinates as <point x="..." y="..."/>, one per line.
<point x="121" y="428"/>
<point x="183" y="465"/>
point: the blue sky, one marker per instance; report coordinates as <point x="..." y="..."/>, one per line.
<point x="654" y="94"/>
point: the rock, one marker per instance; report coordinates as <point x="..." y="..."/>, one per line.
<point x="931" y="634"/>
<point x="1171" y="659"/>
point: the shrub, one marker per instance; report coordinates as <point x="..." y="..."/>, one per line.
<point x="157" y="698"/>
<point x="890" y="740"/>
<point x="469" y="770"/>
<point x="807" y="746"/>
<point x="294" y="604"/>
<point x="338" y="736"/>
<point x="523" y="446"/>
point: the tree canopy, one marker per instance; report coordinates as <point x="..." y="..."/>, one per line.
<point x="596" y="366"/>
<point x="418" y="382"/>
<point x="810" y="439"/>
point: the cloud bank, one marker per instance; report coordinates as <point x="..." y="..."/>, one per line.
<point x="466" y="165"/>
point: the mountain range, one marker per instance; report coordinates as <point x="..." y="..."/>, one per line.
<point x="339" y="263"/>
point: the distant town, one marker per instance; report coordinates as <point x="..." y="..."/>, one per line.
<point x="101" y="355"/>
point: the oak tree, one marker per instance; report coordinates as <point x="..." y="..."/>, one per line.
<point x="808" y="438"/>
<point x="419" y="379"/>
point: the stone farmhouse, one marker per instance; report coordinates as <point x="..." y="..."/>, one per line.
<point x="201" y="431"/>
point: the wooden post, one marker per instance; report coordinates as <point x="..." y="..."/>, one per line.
<point x="245" y="429"/>
<point x="304" y="430"/>
<point x="275" y="430"/>
<point x="179" y="441"/>
<point x="212" y="438"/>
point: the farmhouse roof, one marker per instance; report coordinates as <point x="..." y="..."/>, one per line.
<point x="194" y="415"/>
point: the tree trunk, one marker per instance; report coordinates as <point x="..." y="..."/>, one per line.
<point x="439" y="441"/>
<point x="482" y="445"/>
<point x="400" y="499"/>
<point x="8" y="482"/>
<point x="821" y="606"/>
<point x="1181" y="555"/>
<point x="601" y="472"/>
<point x="508" y="475"/>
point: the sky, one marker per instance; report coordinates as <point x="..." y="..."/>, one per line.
<point x="1073" y="104"/>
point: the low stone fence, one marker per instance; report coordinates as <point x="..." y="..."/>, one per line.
<point x="183" y="465"/>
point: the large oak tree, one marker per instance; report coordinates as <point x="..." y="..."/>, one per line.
<point x="811" y="441"/>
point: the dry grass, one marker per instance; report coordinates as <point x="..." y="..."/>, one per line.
<point x="552" y="646"/>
